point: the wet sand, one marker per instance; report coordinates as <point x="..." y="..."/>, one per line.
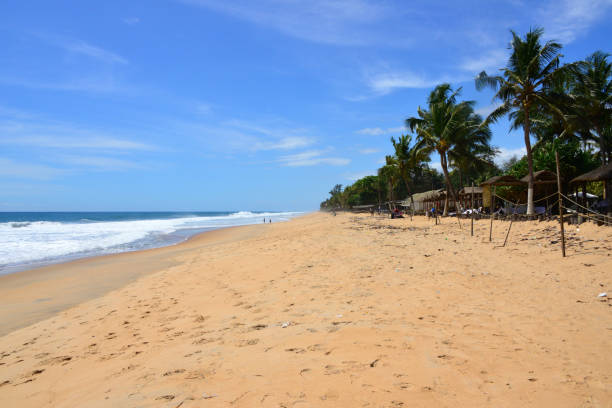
<point x="328" y="311"/>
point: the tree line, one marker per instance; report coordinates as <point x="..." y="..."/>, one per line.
<point x="562" y="107"/>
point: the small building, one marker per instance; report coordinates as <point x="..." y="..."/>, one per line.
<point x="425" y="200"/>
<point x="467" y="194"/>
<point x="488" y="187"/>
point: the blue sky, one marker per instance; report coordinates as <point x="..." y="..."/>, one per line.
<point x="245" y="105"/>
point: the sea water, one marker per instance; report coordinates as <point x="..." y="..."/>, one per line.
<point x="32" y="239"/>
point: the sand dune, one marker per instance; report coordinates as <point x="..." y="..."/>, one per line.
<point x="333" y="311"/>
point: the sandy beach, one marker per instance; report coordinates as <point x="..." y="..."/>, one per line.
<point x="352" y="310"/>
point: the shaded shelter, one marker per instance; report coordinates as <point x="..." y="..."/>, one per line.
<point x="465" y="197"/>
<point x="495" y="181"/>
<point x="427" y="199"/>
<point x="603" y="174"/>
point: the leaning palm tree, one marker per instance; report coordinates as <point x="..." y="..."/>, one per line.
<point x="447" y="127"/>
<point x="521" y="87"/>
<point x="592" y="100"/>
<point x="409" y="159"/>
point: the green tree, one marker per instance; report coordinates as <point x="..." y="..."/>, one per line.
<point x="389" y="174"/>
<point x="451" y="129"/>
<point x="410" y="159"/>
<point x="531" y="69"/>
<point x="592" y="102"/>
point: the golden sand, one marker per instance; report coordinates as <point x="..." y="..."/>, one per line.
<point x="344" y="311"/>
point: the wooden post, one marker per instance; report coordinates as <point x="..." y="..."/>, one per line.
<point x="491" y="213"/>
<point x="508" y="233"/>
<point x="472" y="214"/>
<point x="560" y="204"/>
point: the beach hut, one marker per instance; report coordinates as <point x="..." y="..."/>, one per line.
<point x="604" y="174"/>
<point x="465" y="197"/>
<point x="425" y="200"/>
<point x="487" y="188"/>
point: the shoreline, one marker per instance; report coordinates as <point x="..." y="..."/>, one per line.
<point x="31" y="295"/>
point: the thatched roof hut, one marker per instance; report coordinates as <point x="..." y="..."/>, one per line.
<point x="470" y="190"/>
<point x="602" y="173"/>
<point x="542" y="177"/>
<point x="502" y="181"/>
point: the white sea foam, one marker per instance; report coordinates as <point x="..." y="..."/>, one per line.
<point x="43" y="241"/>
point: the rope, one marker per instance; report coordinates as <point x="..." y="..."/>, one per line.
<point x="581" y="206"/>
<point x="541" y="199"/>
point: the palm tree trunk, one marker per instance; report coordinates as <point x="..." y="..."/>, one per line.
<point x="449" y="186"/>
<point x="526" y="128"/>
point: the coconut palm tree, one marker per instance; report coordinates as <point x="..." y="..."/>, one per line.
<point x="521" y="87"/>
<point x="409" y="160"/>
<point x="592" y="100"/>
<point x="451" y="129"/>
<point x="389" y="173"/>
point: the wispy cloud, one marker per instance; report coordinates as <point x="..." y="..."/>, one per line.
<point x="45" y="134"/>
<point x="369" y="151"/>
<point x="386" y="82"/>
<point x="101" y="163"/>
<point x="484" y="111"/>
<point x="81" y="47"/>
<point x="338" y="22"/>
<point x="131" y="20"/>
<point x="101" y="84"/>
<point x="377" y="131"/>
<point x="357" y="176"/>
<point x="568" y="19"/>
<point x="505" y="153"/>
<point x="18" y="169"/>
<point x="489" y="61"/>
<point x="312" y="158"/>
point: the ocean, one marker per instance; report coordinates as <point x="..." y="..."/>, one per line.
<point x="32" y="239"/>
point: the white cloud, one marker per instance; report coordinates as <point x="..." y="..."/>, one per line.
<point x="380" y="131"/>
<point x="312" y="158"/>
<point x="285" y="143"/>
<point x="568" y="19"/>
<point x="357" y="176"/>
<point x="505" y="154"/>
<point x="18" y="169"/>
<point x="131" y="20"/>
<point x="101" y="163"/>
<point x="83" y="48"/>
<point x="484" y="111"/>
<point x="102" y="84"/>
<point x="339" y="22"/>
<point x="369" y="151"/>
<point x="57" y="135"/>
<point x="87" y="142"/>
<point x="490" y="61"/>
<point x="385" y="83"/>
<point x="92" y="51"/>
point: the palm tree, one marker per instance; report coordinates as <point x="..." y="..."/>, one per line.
<point x="389" y="173"/>
<point x="450" y="128"/>
<point x="531" y="70"/>
<point x="409" y="159"/>
<point x="592" y="97"/>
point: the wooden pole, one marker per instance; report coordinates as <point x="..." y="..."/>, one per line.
<point x="508" y="233"/>
<point x="491" y="213"/>
<point x="472" y="214"/>
<point x="560" y="204"/>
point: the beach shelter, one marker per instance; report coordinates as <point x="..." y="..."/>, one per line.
<point x="487" y="188"/>
<point x="603" y="173"/>
<point x="465" y="196"/>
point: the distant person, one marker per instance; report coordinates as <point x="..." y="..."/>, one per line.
<point x="264" y="220"/>
<point x="270" y="221"/>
